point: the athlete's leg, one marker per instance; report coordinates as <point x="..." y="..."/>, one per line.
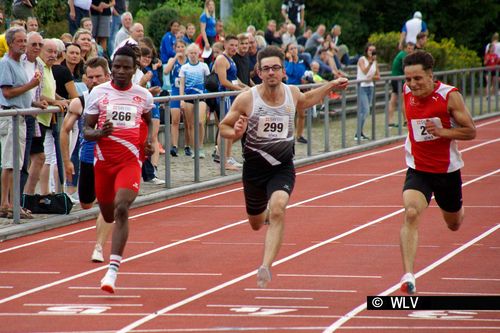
<point x="274" y="235"/>
<point x="453" y="220"/>
<point x="257" y="221"/>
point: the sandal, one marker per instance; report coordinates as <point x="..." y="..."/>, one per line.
<point x="25" y="213"/>
<point x="4" y="212"/>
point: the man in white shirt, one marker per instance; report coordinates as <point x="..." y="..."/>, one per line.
<point x="411" y="28"/>
<point x="78" y="9"/>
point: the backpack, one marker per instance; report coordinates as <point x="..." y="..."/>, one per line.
<point x="212" y="82"/>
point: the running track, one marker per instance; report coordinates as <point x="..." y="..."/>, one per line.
<point x="190" y="262"/>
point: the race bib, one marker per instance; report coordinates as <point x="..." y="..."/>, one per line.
<point x="273" y="127"/>
<point x="177" y="82"/>
<point x="122" y="116"/>
<point x="420" y="132"/>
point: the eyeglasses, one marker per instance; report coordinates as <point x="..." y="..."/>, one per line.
<point x="37" y="44"/>
<point x="275" y="68"/>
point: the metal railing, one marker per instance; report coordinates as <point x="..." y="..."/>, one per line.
<point x="469" y="81"/>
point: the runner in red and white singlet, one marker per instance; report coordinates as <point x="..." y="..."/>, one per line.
<point x="114" y="115"/>
<point x="437" y="117"/>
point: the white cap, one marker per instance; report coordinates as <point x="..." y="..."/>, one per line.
<point x="206" y="53"/>
<point x="417" y="15"/>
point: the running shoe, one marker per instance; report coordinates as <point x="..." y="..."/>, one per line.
<point x="156" y="181"/>
<point x="232" y="164"/>
<point x="161" y="149"/>
<point x="201" y="153"/>
<point x="173" y="151"/>
<point x="108" y="282"/>
<point x="263" y="276"/>
<point x="408" y="284"/>
<point x="97" y="255"/>
<point x="187" y="151"/>
<point x="301" y="139"/>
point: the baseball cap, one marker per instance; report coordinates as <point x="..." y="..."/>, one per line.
<point x="417" y="15"/>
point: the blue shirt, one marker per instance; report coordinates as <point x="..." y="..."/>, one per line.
<point x="12" y="74"/>
<point x="210" y="24"/>
<point x="194" y="77"/>
<point x="231" y="73"/>
<point x="167" y="47"/>
<point x="295" y="71"/>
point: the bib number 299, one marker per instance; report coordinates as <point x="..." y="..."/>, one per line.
<point x="273" y="127"/>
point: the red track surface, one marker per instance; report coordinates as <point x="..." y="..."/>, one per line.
<point x="190" y="262"/>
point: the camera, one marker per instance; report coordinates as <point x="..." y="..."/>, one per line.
<point x="374" y="53"/>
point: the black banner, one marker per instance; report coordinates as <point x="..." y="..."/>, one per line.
<point x="433" y="302"/>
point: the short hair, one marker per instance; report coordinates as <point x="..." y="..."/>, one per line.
<point x="419" y="57"/>
<point x="80" y="32"/>
<point x="128" y="50"/>
<point x="242" y="36"/>
<point x="11" y="32"/>
<point x="126" y="14"/>
<point x="268" y="52"/>
<point x="230" y="37"/>
<point x="83" y="20"/>
<point x="33" y="33"/>
<point x="421" y="35"/>
<point x="193" y="46"/>
<point x="97" y="62"/>
<point x="145" y="51"/>
<point x="180" y="41"/>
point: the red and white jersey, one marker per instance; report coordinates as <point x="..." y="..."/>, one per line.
<point x="124" y="108"/>
<point x="424" y="151"/>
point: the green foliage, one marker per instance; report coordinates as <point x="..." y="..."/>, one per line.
<point x="158" y="21"/>
<point x="446" y="54"/>
<point x="251" y="12"/>
<point x="136" y="5"/>
<point x="387" y="45"/>
<point x="54" y="29"/>
<point x="51" y="11"/>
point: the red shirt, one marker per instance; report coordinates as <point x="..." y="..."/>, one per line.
<point x="425" y="152"/>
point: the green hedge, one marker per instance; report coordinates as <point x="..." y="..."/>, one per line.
<point x="446" y="54"/>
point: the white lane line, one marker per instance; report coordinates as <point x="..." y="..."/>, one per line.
<point x="301" y="290"/>
<point x="6" y="287"/>
<point x="469" y="279"/>
<point x="285" y="298"/>
<point x="267" y="306"/>
<point x="80" y="304"/>
<point x="456" y="293"/>
<point x="169" y="274"/>
<point x="202" y="294"/>
<point x="199" y="199"/>
<point x="130" y="288"/>
<point x="109" y="296"/>
<point x="336" y="325"/>
<point x="28" y="272"/>
<point x="390" y="245"/>
<point x="242" y="243"/>
<point x="333" y="276"/>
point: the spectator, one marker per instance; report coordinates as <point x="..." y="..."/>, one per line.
<point x="305" y="36"/>
<point x="494" y="41"/>
<point x="293" y="12"/>
<point x="316" y="39"/>
<point x="31" y="66"/>
<point x="86" y="23"/>
<point x="78" y="9"/>
<point x="172" y="68"/>
<point x="31" y="24"/>
<point x="167" y="47"/>
<point x="4" y="47"/>
<point x="84" y="39"/>
<point x="66" y="38"/>
<point x="207" y="25"/>
<point x="226" y="71"/>
<point x="190" y="32"/>
<point x="242" y="60"/>
<point x="261" y="42"/>
<point x="192" y="82"/>
<point x="127" y="21"/>
<point x="271" y="35"/>
<point x="491" y="60"/>
<point x="397" y="70"/>
<point x="411" y="28"/>
<point x="367" y="70"/>
<point x="251" y="30"/>
<point x="295" y="69"/>
<point x="341" y="50"/>
<point x="74" y="63"/>
<point x="327" y="64"/>
<point x="22" y="9"/>
<point x="2" y="20"/>
<point x="100" y="13"/>
<point x="14" y="93"/>
<point x="136" y="33"/>
<point x="421" y="41"/>
<point x="117" y="11"/>
<point x="252" y="56"/>
<point x="289" y="36"/>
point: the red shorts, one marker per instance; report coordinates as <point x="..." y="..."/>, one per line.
<point x="109" y="178"/>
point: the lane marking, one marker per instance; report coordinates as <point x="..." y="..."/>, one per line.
<point x="109" y="296"/>
<point x="169" y="274"/>
<point x="86" y="304"/>
<point x="333" y="276"/>
<point x="130" y="288"/>
<point x="286" y="298"/>
<point x="267" y="306"/>
<point x="301" y="290"/>
<point x="469" y="279"/>
<point x="28" y="272"/>
<point x="204" y="293"/>
<point x="395" y="287"/>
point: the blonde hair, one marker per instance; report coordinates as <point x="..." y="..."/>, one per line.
<point x="193" y="46"/>
<point x="206" y="9"/>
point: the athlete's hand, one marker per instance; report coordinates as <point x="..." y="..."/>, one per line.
<point x="431" y="128"/>
<point x="240" y="126"/>
<point x="340" y="84"/>
<point x="107" y="128"/>
<point x="148" y="148"/>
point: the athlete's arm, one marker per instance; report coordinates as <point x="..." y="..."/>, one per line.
<point x="315" y="96"/>
<point x="148" y="147"/>
<point x="67" y="125"/>
<point x="458" y="110"/>
<point x="221" y="66"/>
<point x="90" y="133"/>
<point x="234" y="124"/>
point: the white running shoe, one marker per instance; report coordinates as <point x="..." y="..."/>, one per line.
<point x="156" y="181"/>
<point x="408" y="284"/>
<point x="97" y="255"/>
<point x="263" y="276"/>
<point x="108" y="282"/>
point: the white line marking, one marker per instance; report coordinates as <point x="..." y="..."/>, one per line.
<point x="395" y="287"/>
<point x="170" y="274"/>
<point x="333" y="276"/>
<point x="267" y="306"/>
<point x="109" y="296"/>
<point x="301" y="290"/>
<point x="234" y="243"/>
<point x="130" y="288"/>
<point x="6" y="287"/>
<point x="75" y="304"/>
<point x="469" y="279"/>
<point x="389" y="245"/>
<point x="27" y="272"/>
<point x="286" y="298"/>
<point x="455" y="293"/>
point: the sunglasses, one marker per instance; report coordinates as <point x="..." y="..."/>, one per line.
<point x="37" y="44"/>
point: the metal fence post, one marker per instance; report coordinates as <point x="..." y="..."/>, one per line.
<point x="16" y="166"/>
<point x="327" y="123"/>
<point x="167" y="140"/>
<point x="343" y="120"/>
<point x="196" y="140"/>
<point x="309" y="131"/>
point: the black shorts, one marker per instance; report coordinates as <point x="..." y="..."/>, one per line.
<point x="37" y="141"/>
<point x="86" y="185"/>
<point x="394" y="84"/>
<point x="260" y="183"/>
<point x="447" y="187"/>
